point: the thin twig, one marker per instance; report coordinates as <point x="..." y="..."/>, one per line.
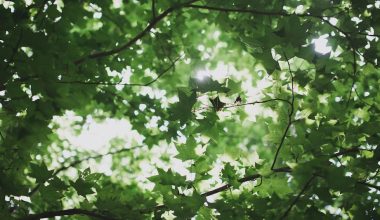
<point x="285" y="169"/>
<point x="353" y="76"/>
<point x="105" y="15"/>
<point x="154" y="9"/>
<point x="41" y="9"/>
<point x="278" y="13"/>
<point x="67" y="212"/>
<point x="247" y="103"/>
<point x="256" y="102"/>
<point x="124" y="84"/>
<point x="374" y="175"/>
<point x="14" y="51"/>
<point x="298" y="197"/>
<point x="77" y="162"/>
<point x="370" y="185"/>
<point x="357" y="94"/>
<point x="139" y="36"/>
<point x="211" y="192"/>
<point x="290" y="115"/>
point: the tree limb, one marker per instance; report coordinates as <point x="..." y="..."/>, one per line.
<point x="249" y="103"/>
<point x="353" y="75"/>
<point x="77" y="162"/>
<point x="298" y="197"/>
<point x="14" y="51"/>
<point x="206" y="194"/>
<point x="124" y="84"/>
<point x="285" y="169"/>
<point x="140" y="35"/>
<point x="369" y="185"/>
<point x="66" y="212"/>
<point x="154" y="9"/>
<point x="277" y="13"/>
<point x="257" y="102"/>
<point x="243" y="180"/>
<point x="290" y="115"/>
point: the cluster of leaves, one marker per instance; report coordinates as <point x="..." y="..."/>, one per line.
<point x="318" y="154"/>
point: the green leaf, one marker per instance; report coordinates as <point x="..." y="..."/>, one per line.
<point x="337" y="180"/>
<point x="58" y="184"/>
<point x="234" y="87"/>
<point x="82" y="187"/>
<point x="168" y="178"/>
<point x="182" y="110"/>
<point x="50" y="194"/>
<point x="229" y="174"/>
<point x="187" y="151"/>
<point x="40" y="172"/>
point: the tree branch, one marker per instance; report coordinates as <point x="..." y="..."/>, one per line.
<point x="67" y="212"/>
<point x="248" y="103"/>
<point x="131" y="42"/>
<point x="206" y="194"/>
<point x="14" y="51"/>
<point x="154" y="9"/>
<point x="257" y="102"/>
<point x="353" y="75"/>
<point x="277" y="13"/>
<point x="77" y="162"/>
<point x="370" y="185"/>
<point x="298" y="197"/>
<point x="124" y="84"/>
<point x="243" y="180"/>
<point x="290" y="115"/>
<point x="285" y="169"/>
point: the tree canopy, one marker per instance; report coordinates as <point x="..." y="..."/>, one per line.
<point x="235" y="112"/>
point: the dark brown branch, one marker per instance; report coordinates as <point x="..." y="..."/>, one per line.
<point x="353" y="75"/>
<point x="278" y="13"/>
<point x="40" y="9"/>
<point x="298" y="197"/>
<point x="290" y="115"/>
<point x="124" y="84"/>
<point x="245" y="179"/>
<point x="362" y="100"/>
<point x="77" y="162"/>
<point x="366" y="34"/>
<point x="67" y="212"/>
<point x="370" y="185"/>
<point x="275" y="170"/>
<point x="251" y="11"/>
<point x="14" y="51"/>
<point x="238" y="10"/>
<point x="257" y="102"/>
<point x="247" y="103"/>
<point x="346" y="151"/>
<point x="106" y="16"/>
<point x="154" y="9"/>
<point x="190" y="4"/>
<point x="139" y="36"/>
